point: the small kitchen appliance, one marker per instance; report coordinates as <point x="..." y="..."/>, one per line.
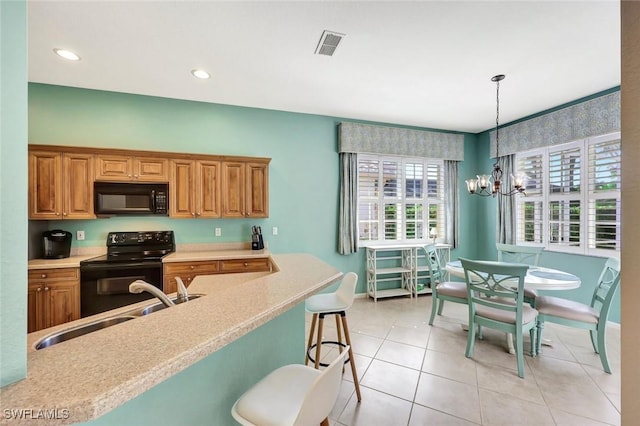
<point x="56" y="244"/>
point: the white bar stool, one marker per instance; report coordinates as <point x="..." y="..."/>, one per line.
<point x="336" y="304"/>
<point x="291" y="395"/>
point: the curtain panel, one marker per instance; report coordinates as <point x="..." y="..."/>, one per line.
<point x="506" y="219"/>
<point x="594" y="117"/>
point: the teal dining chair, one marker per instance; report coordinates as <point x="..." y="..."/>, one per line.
<point x="592" y="317"/>
<point x="528" y="255"/>
<point x="441" y="291"/>
<point x="496" y="301"/>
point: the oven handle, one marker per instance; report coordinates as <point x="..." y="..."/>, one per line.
<point x="116" y="266"/>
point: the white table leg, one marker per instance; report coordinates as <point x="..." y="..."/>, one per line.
<point x="510" y="347"/>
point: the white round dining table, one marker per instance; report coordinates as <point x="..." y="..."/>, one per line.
<point x="538" y="277"/>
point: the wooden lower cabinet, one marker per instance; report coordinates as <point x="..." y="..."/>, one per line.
<point x="53" y="297"/>
<point x="187" y="271"/>
<point x="245" y="265"/>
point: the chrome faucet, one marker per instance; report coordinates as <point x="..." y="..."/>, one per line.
<point x="139" y="286"/>
<point x="182" y="289"/>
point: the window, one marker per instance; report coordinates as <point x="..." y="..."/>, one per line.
<point x="399" y="199"/>
<point x="573" y="196"/>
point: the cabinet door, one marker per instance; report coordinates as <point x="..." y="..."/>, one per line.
<point x="182" y="192"/>
<point x="114" y="167"/>
<point x="62" y="302"/>
<point x="78" y="186"/>
<point x="35" y="307"/>
<point x="257" y="190"/>
<point x="208" y="196"/>
<point x="45" y="185"/>
<point x="233" y="189"/>
<point x="149" y="169"/>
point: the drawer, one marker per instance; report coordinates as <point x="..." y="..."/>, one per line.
<point x="245" y="265"/>
<point x="191" y="268"/>
<point x="54" y="274"/>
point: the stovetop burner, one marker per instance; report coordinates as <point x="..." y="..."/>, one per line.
<point x="136" y="247"/>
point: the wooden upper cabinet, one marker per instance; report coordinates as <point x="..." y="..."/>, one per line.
<point x="245" y="189"/>
<point x="233" y="189"/>
<point x="208" y="189"/>
<point x="60" y="185"/>
<point x="182" y="189"/>
<point x="123" y="168"/>
<point x="195" y="189"/>
<point x="257" y="190"/>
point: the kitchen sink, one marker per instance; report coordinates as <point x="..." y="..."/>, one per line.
<point x="81" y="330"/>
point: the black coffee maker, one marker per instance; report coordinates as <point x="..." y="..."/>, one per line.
<point x="57" y="244"/>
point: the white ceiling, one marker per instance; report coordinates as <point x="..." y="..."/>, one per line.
<point x="426" y="64"/>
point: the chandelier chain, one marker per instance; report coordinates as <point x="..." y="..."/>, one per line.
<point x="497" y="118"/>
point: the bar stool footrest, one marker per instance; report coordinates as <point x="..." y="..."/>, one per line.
<point x="326" y="342"/>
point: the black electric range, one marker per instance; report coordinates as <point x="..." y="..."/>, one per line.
<point x="131" y="256"/>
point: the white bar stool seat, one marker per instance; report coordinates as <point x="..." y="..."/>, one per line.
<point x="336" y="304"/>
<point x="291" y="395"/>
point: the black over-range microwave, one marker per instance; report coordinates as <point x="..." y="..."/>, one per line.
<point x="121" y="198"/>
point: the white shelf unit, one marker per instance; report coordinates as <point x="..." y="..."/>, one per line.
<point x="387" y="264"/>
<point x="422" y="274"/>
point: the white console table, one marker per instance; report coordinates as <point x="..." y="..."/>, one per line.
<point x="400" y="263"/>
<point x="390" y="263"/>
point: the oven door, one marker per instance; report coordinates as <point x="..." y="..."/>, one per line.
<point x="105" y="286"/>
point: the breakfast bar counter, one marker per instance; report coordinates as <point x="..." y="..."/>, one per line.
<point x="86" y="377"/>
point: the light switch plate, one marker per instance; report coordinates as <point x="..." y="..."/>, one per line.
<point x="275" y="230"/>
<point x="218" y="232"/>
<point x="80" y="235"/>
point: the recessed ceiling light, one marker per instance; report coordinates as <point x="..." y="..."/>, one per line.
<point x="200" y="74"/>
<point x="67" y="54"/>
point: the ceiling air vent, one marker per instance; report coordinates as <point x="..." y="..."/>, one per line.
<point x="328" y="43"/>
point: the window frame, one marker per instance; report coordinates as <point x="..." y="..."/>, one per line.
<point x="403" y="201"/>
<point x="586" y="197"/>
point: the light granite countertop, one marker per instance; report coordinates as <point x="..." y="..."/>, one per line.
<point x="68" y="262"/>
<point x="95" y="373"/>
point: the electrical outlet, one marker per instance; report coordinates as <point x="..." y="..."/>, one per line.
<point x="218" y="232"/>
<point x="80" y="235"/>
<point x="275" y="230"/>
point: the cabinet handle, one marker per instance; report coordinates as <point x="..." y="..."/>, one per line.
<point x="46" y="289"/>
<point x="57" y="214"/>
<point x="64" y="213"/>
<point x="44" y="275"/>
<point x="188" y="278"/>
<point x="192" y="266"/>
<point x="39" y="289"/>
<point x="197" y="213"/>
<point x="246" y="264"/>
<point x="193" y="214"/>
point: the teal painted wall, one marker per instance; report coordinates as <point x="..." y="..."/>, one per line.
<point x="13" y="193"/>
<point x="303" y="171"/>
<point x="204" y="393"/>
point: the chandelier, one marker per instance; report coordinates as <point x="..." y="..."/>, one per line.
<point x="486" y="185"/>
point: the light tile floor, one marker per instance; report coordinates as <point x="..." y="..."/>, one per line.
<point x="415" y="374"/>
